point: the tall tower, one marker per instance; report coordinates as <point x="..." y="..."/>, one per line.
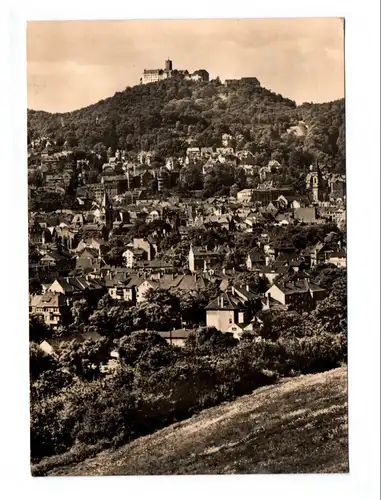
<point x="107" y="211"/>
<point x="168" y="65"/>
<point x="316" y="181"/>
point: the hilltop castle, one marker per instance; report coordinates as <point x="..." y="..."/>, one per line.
<point x="156" y="75"/>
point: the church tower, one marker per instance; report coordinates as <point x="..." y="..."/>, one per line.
<point x="315" y="183"/>
<point x="107" y="211"/>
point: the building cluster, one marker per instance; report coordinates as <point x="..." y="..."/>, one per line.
<point x="69" y="266"/>
<point x="157" y="75"/>
<point x="200" y="75"/>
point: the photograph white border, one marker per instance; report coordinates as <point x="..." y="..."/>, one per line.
<point x="363" y="196"/>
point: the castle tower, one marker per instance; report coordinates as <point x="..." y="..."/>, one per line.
<point x="168" y="65"/>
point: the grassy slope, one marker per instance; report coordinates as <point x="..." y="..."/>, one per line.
<point x="297" y="426"/>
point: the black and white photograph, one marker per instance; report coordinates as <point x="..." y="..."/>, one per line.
<point x="187" y="247"/>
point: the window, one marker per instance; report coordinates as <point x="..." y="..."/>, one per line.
<point x="230" y="321"/>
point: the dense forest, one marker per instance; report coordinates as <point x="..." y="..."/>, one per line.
<point x="171" y="115"/>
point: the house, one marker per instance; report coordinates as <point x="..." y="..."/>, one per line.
<point x="307" y="215"/>
<point x="148" y="245"/>
<point x="88" y="258"/>
<point x="124" y="289"/>
<point x="207" y="152"/>
<point x="225" y="151"/>
<point x="246" y="157"/>
<point x="59" y="261"/>
<point x="224" y="311"/>
<point x="133" y="255"/>
<point x="245" y="195"/>
<point x="52" y="307"/>
<point x="143" y="288"/>
<point x="96" y="243"/>
<point x="267" y="193"/>
<point x="65" y="236"/>
<point x="155" y="266"/>
<point x="39" y="235"/>
<point x="185" y="282"/>
<point x="176" y="337"/>
<point x="338" y="259"/>
<point x="75" y="288"/>
<point x="272" y="272"/>
<point x="271" y="209"/>
<point x="290" y="259"/>
<point x="318" y="254"/>
<point x="283" y="219"/>
<point x="201" y="259"/>
<point x="255" y="259"/>
<point x="300" y="295"/>
<point x="193" y="153"/>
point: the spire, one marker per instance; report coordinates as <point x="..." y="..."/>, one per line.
<point x="105" y="201"/>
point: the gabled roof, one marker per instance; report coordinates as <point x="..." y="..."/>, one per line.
<point x="256" y="256"/>
<point x="287" y="257"/>
<point x="225" y="302"/>
<point x="92" y="251"/>
<point x="158" y="264"/>
<point x="50" y="299"/>
<point x="203" y="252"/>
<point x="77" y="284"/>
<point x="180" y="333"/>
<point x="290" y="287"/>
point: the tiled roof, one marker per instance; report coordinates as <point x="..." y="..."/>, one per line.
<point x="78" y="284"/>
<point x="203" y="252"/>
<point x="298" y="286"/>
<point x="181" y="333"/>
<point x="51" y="299"/>
<point x="225" y="301"/>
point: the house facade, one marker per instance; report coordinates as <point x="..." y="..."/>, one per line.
<point x="225" y="311"/>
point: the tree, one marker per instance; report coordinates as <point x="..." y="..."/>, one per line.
<point x="207" y="340"/>
<point x="84" y="359"/>
<point x="38" y="331"/>
<point x="80" y="311"/>
<point x="39" y="362"/>
<point x="330" y="314"/>
<point x="35" y="287"/>
<point x="143" y="348"/>
<point x="190" y="178"/>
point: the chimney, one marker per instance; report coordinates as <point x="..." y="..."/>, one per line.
<point x="268" y="301"/>
<point x="221" y="301"/>
<point x="247" y="288"/>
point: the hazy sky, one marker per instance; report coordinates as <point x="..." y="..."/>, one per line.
<point x="72" y="64"/>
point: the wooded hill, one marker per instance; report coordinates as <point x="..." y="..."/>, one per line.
<point x="171" y="115"/>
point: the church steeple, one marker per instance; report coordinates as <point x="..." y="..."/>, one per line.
<point x="107" y="211"/>
<point x="316" y="183"/>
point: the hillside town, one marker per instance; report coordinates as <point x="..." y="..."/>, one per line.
<point x="129" y="231"/>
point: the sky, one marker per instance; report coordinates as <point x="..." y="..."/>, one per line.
<point x="72" y="64"/>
